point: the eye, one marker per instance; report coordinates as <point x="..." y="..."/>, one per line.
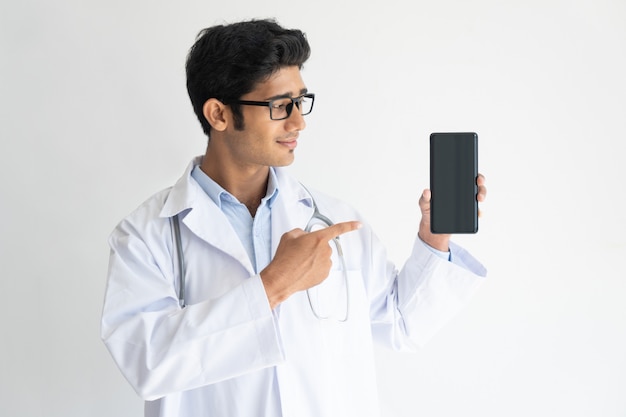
<point x="280" y="104"/>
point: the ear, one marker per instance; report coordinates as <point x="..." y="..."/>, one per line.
<point x="214" y="112"/>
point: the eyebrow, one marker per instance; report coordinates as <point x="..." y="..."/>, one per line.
<point x="287" y="95"/>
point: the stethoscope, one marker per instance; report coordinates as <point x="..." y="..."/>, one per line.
<point x="316" y="219"/>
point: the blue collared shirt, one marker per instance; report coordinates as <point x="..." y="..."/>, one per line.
<point x="254" y="232"/>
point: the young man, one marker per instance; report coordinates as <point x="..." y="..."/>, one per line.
<point x="275" y="320"/>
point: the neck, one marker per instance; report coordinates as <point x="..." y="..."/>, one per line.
<point x="248" y="184"/>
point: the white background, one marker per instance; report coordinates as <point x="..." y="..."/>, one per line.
<point x="94" y="118"/>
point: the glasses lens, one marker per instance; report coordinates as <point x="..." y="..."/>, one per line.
<point x="282" y="107"/>
<point x="305" y="105"/>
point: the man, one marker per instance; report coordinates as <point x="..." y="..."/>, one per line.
<point x="249" y="314"/>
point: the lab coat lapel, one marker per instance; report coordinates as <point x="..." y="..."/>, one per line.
<point x="204" y="218"/>
<point x="210" y="224"/>
<point x="292" y="209"/>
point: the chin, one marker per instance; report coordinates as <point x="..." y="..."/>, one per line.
<point x="285" y="161"/>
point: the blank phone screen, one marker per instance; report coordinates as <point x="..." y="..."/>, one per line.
<point x="453" y="171"/>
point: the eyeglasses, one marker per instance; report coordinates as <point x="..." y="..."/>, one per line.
<point x="281" y="108"/>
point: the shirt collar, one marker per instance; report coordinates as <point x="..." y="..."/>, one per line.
<point x="218" y="194"/>
<point x="272" y="188"/>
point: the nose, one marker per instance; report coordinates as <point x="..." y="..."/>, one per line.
<point x="295" y="121"/>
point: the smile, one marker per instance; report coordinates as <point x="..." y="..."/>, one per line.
<point x="290" y="143"/>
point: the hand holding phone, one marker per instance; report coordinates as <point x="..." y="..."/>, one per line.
<point x="453" y="172"/>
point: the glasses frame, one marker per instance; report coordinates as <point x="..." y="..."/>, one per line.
<point x="294" y="101"/>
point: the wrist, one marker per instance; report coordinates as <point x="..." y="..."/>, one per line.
<point x="275" y="292"/>
<point x="440" y="242"/>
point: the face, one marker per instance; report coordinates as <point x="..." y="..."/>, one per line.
<point x="263" y="141"/>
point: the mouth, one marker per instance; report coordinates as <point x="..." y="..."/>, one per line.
<point x="289" y="143"/>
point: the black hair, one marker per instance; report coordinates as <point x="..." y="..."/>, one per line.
<point x="227" y="61"/>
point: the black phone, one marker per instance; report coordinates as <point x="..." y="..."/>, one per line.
<point x="453" y="172"/>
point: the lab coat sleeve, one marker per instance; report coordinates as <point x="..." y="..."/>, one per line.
<point x="423" y="296"/>
<point x="161" y="348"/>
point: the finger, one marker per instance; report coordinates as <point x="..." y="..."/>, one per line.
<point x="337" y="229"/>
<point x="424" y="203"/>
<point x="482" y="194"/>
<point x="295" y="233"/>
<point x="482" y="190"/>
<point x="425" y="198"/>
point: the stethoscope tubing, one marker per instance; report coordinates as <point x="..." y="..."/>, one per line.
<point x="175" y="223"/>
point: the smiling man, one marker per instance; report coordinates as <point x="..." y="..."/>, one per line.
<point x="221" y="301"/>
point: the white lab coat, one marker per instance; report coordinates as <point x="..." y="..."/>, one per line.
<point x="227" y="353"/>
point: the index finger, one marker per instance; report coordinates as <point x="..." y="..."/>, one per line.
<point x="337" y="229"/>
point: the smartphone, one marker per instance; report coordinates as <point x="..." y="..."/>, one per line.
<point x="453" y="172"/>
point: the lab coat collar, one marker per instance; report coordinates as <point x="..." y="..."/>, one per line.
<point x="184" y="193"/>
<point x="203" y="217"/>
<point x="292" y="209"/>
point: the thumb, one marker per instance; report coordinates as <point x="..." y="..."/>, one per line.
<point x="424" y="201"/>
